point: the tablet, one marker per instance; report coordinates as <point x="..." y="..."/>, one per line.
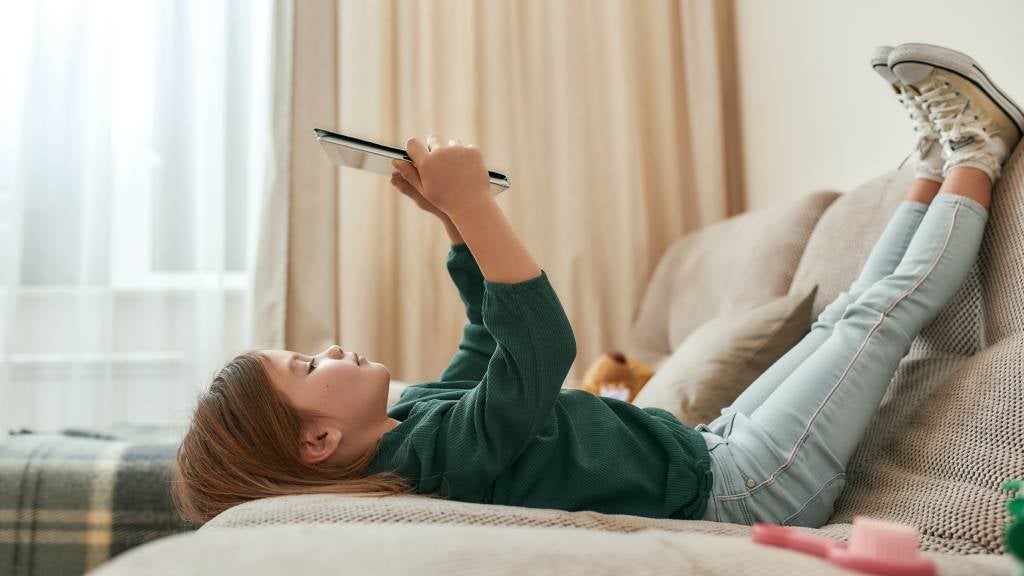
<point x="358" y="153"/>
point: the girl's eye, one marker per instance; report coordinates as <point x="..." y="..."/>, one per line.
<point x="312" y="365"/>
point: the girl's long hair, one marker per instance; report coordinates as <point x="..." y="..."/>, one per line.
<point x="243" y="444"/>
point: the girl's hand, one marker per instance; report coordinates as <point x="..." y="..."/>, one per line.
<point x="452" y="177"/>
<point x="407" y="180"/>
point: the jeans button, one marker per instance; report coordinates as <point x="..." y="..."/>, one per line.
<point x="751" y="483"/>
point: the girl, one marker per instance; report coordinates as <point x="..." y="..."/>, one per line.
<point x="497" y="428"/>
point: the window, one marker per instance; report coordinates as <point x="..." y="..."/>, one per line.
<point x="129" y="197"/>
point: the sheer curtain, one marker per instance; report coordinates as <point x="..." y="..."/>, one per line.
<point x="136" y="148"/>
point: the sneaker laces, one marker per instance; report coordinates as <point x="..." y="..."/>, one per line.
<point x="948" y="110"/>
<point x="927" y="135"/>
<point x="922" y="124"/>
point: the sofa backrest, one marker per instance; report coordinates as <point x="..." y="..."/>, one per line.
<point x="950" y="429"/>
<point x="728" y="266"/>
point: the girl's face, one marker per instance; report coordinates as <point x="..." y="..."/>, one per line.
<point x="349" y="390"/>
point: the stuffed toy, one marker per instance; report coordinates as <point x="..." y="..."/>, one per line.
<point x="615" y="375"/>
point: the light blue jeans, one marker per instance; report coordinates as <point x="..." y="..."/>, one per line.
<point x="779" y="452"/>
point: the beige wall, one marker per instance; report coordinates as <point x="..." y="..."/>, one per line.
<point x="815" y="115"/>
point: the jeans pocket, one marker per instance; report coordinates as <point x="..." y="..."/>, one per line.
<point x="816" y="510"/>
<point x="728" y="498"/>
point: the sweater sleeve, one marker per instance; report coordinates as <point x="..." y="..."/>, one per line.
<point x="477" y="345"/>
<point x="492" y="423"/>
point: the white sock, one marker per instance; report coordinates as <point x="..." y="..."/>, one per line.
<point x="930" y="167"/>
<point x="988" y="159"/>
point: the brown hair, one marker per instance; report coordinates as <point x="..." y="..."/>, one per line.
<point x="243" y="444"/>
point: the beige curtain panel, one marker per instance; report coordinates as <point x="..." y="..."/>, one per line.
<point x="616" y="121"/>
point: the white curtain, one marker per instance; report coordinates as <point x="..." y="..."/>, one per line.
<point x="136" y="151"/>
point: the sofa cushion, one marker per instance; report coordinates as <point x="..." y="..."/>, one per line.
<point x="721" y="269"/>
<point x="950" y="429"/>
<point x="423" y="509"/>
<point x="718" y="360"/>
<point x="386" y="549"/>
<point x="419" y="508"/>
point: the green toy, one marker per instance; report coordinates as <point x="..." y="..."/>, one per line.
<point x="1014" y="536"/>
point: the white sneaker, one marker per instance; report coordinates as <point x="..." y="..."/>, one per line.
<point x="978" y="124"/>
<point x="927" y="154"/>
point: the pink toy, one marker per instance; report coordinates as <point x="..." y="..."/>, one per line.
<point x="876" y="546"/>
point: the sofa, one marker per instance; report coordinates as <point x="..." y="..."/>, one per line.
<point x="949" y="431"/>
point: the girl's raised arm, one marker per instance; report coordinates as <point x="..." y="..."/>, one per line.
<point x="498" y="251"/>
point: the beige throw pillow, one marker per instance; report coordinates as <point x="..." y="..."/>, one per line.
<point x="718" y="360"/>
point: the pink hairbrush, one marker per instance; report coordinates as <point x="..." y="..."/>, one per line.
<point x="876" y="546"/>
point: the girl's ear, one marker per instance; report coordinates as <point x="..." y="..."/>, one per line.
<point x="318" y="446"/>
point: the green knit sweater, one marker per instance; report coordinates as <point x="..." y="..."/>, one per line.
<point x="499" y="429"/>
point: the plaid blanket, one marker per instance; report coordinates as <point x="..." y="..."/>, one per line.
<point x="71" y="500"/>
